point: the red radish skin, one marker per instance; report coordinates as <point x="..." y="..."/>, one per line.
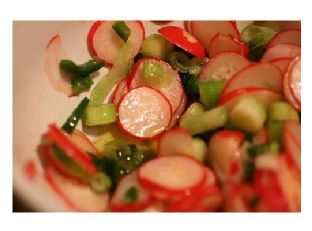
<point x="64" y="143"/>
<point x="287" y="91"/>
<point x="291" y="36"/>
<point x="204" y="31"/>
<point x="78" y="197"/>
<point x="223" y="66"/>
<point x="281" y="51"/>
<point x="223" y="149"/>
<point x="104" y="42"/>
<point x="174" y="175"/>
<point x="257" y="75"/>
<point x="294" y="75"/>
<point x="83" y="142"/>
<point x="177" y="140"/>
<point x="120" y="90"/>
<point x="281" y="63"/>
<point x="221" y="43"/>
<point x="54" y="53"/>
<point x="30" y="170"/>
<point x="144" y="113"/>
<point x="187" y="26"/>
<point x="183" y="39"/>
<point x="145" y="199"/>
<point x="174" y="91"/>
<point x="265" y="96"/>
<point x="262" y="137"/>
<point x="176" y="116"/>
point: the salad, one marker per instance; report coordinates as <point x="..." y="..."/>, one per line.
<point x="200" y="118"/>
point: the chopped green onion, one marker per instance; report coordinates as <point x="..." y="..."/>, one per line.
<point x="194" y="109"/>
<point x="131" y="195"/>
<point x="248" y="114"/>
<point x="272" y="147"/>
<point x="179" y="61"/>
<point x="281" y="111"/>
<point x="156" y="46"/>
<point x="81" y="70"/>
<point x="275" y="131"/>
<point x="122" y="30"/>
<point x="210" y="92"/>
<point x="196" y="65"/>
<point x="100" y="182"/>
<point x="75" y="116"/>
<point x="100" y="114"/>
<point x="208" y="120"/>
<point x="122" y="65"/>
<point x="80" y="84"/>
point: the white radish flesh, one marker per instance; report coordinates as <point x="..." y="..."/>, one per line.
<point x="177" y="114"/>
<point x="294" y="75"/>
<point x="281" y="63"/>
<point x="292" y="37"/>
<point x="281" y="51"/>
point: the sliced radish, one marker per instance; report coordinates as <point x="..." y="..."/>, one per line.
<point x="120" y="90"/>
<point x="294" y="75"/>
<point x="281" y="63"/>
<point x="183" y="39"/>
<point x="223" y="66"/>
<point x="175" y="141"/>
<point x="281" y="51"/>
<point x="262" y="137"/>
<point x="53" y="55"/>
<point x="187" y="26"/>
<point x="265" y="96"/>
<point x="292" y="37"/>
<point x="224" y="152"/>
<point x="173" y="91"/>
<point x="64" y="142"/>
<point x="77" y="196"/>
<point x="83" y="142"/>
<point x="104" y="42"/>
<point x="259" y="75"/>
<point x="174" y="175"/>
<point x="176" y="116"/>
<point x="292" y="143"/>
<point x="119" y="201"/>
<point x="144" y="113"/>
<point x="221" y="43"/>
<point x="204" y="31"/>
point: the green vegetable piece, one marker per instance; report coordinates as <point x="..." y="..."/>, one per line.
<point x="272" y="147"/>
<point x="100" y="114"/>
<point x="69" y="67"/>
<point x="275" y="131"/>
<point x="154" y="74"/>
<point x="200" y="149"/>
<point x="80" y="70"/>
<point x="75" y="116"/>
<point x="156" y="46"/>
<point x="100" y="182"/>
<point x="194" y="109"/>
<point x="122" y="30"/>
<point x="249" y="171"/>
<point x="131" y="195"/>
<point x="208" y="120"/>
<point x="248" y="114"/>
<point x="210" y="92"/>
<point x="179" y="61"/>
<point x="70" y="166"/>
<point x="281" y="111"/>
<point x="81" y="84"/>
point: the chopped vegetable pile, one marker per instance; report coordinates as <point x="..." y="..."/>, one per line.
<point x="204" y="118"/>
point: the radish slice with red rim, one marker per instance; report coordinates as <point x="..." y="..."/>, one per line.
<point x="204" y="31"/>
<point x="223" y="66"/>
<point x="53" y="55"/>
<point x="183" y="39"/>
<point x="221" y="43"/>
<point x="120" y="90"/>
<point x="139" y="200"/>
<point x="187" y="26"/>
<point x="104" y="42"/>
<point x="259" y="75"/>
<point x="288" y="93"/>
<point x="281" y="51"/>
<point x="261" y="137"/>
<point x="173" y="90"/>
<point x="281" y="63"/>
<point x="177" y="140"/>
<point x="77" y="196"/>
<point x="292" y="37"/>
<point x="83" y="142"/>
<point x="294" y="75"/>
<point x="265" y="96"/>
<point x="144" y="113"/>
<point x="177" y="114"/>
<point x="174" y="175"/>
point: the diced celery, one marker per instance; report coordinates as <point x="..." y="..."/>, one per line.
<point x="272" y="147"/>
<point x="100" y="143"/>
<point x="194" y="109"/>
<point x="210" y="91"/>
<point x="156" y="46"/>
<point x="281" y="111"/>
<point x="200" y="149"/>
<point x="100" y="114"/>
<point x="275" y="131"/>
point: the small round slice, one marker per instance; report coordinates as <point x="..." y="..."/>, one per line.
<point x="287" y="91"/>
<point x="294" y="75"/>
<point x="104" y="42"/>
<point x="281" y="63"/>
<point x="174" y="175"/>
<point x="144" y="113"/>
<point x="183" y="39"/>
<point x="292" y="37"/>
<point x="281" y="51"/>
<point x="223" y="42"/>
<point x="120" y="90"/>
<point x="223" y="66"/>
